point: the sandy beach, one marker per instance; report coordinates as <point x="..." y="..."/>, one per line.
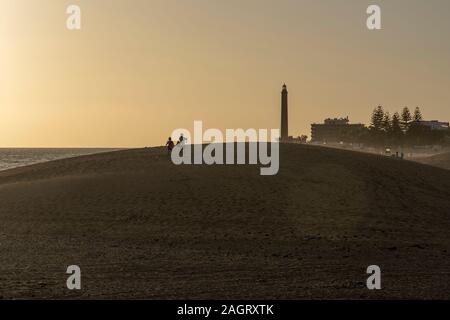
<point x="141" y="228"/>
<point x="441" y="160"/>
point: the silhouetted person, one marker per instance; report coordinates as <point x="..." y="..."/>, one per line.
<point x="181" y="139"/>
<point x="170" y="145"/>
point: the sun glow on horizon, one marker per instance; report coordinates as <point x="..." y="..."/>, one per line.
<point x="138" y="70"/>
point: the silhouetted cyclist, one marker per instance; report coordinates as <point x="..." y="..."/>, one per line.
<point x="181" y="139"/>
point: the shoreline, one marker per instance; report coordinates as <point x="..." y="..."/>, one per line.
<point x="12" y="158"/>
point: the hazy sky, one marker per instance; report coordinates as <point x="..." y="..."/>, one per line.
<point x="139" y="69"/>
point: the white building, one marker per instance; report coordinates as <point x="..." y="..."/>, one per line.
<point x="435" y="124"/>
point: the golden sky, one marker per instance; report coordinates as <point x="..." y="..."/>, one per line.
<point x="139" y="69"/>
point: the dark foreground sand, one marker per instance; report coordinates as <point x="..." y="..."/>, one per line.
<point x="139" y="227"/>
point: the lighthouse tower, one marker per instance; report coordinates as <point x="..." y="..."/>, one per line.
<point x="284" y="114"/>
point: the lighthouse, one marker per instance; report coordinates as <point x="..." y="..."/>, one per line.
<point x="284" y="114"/>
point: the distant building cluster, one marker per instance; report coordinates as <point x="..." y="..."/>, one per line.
<point x="392" y="130"/>
<point x="335" y="130"/>
<point x="435" y="124"/>
<point x="331" y="131"/>
<point x="340" y="129"/>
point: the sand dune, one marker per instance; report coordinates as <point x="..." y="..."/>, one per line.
<point x="140" y="227"/>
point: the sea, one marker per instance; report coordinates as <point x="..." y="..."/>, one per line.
<point x="18" y="157"/>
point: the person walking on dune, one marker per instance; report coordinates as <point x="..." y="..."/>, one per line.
<point x="169" y="145"/>
<point x="180" y="141"/>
